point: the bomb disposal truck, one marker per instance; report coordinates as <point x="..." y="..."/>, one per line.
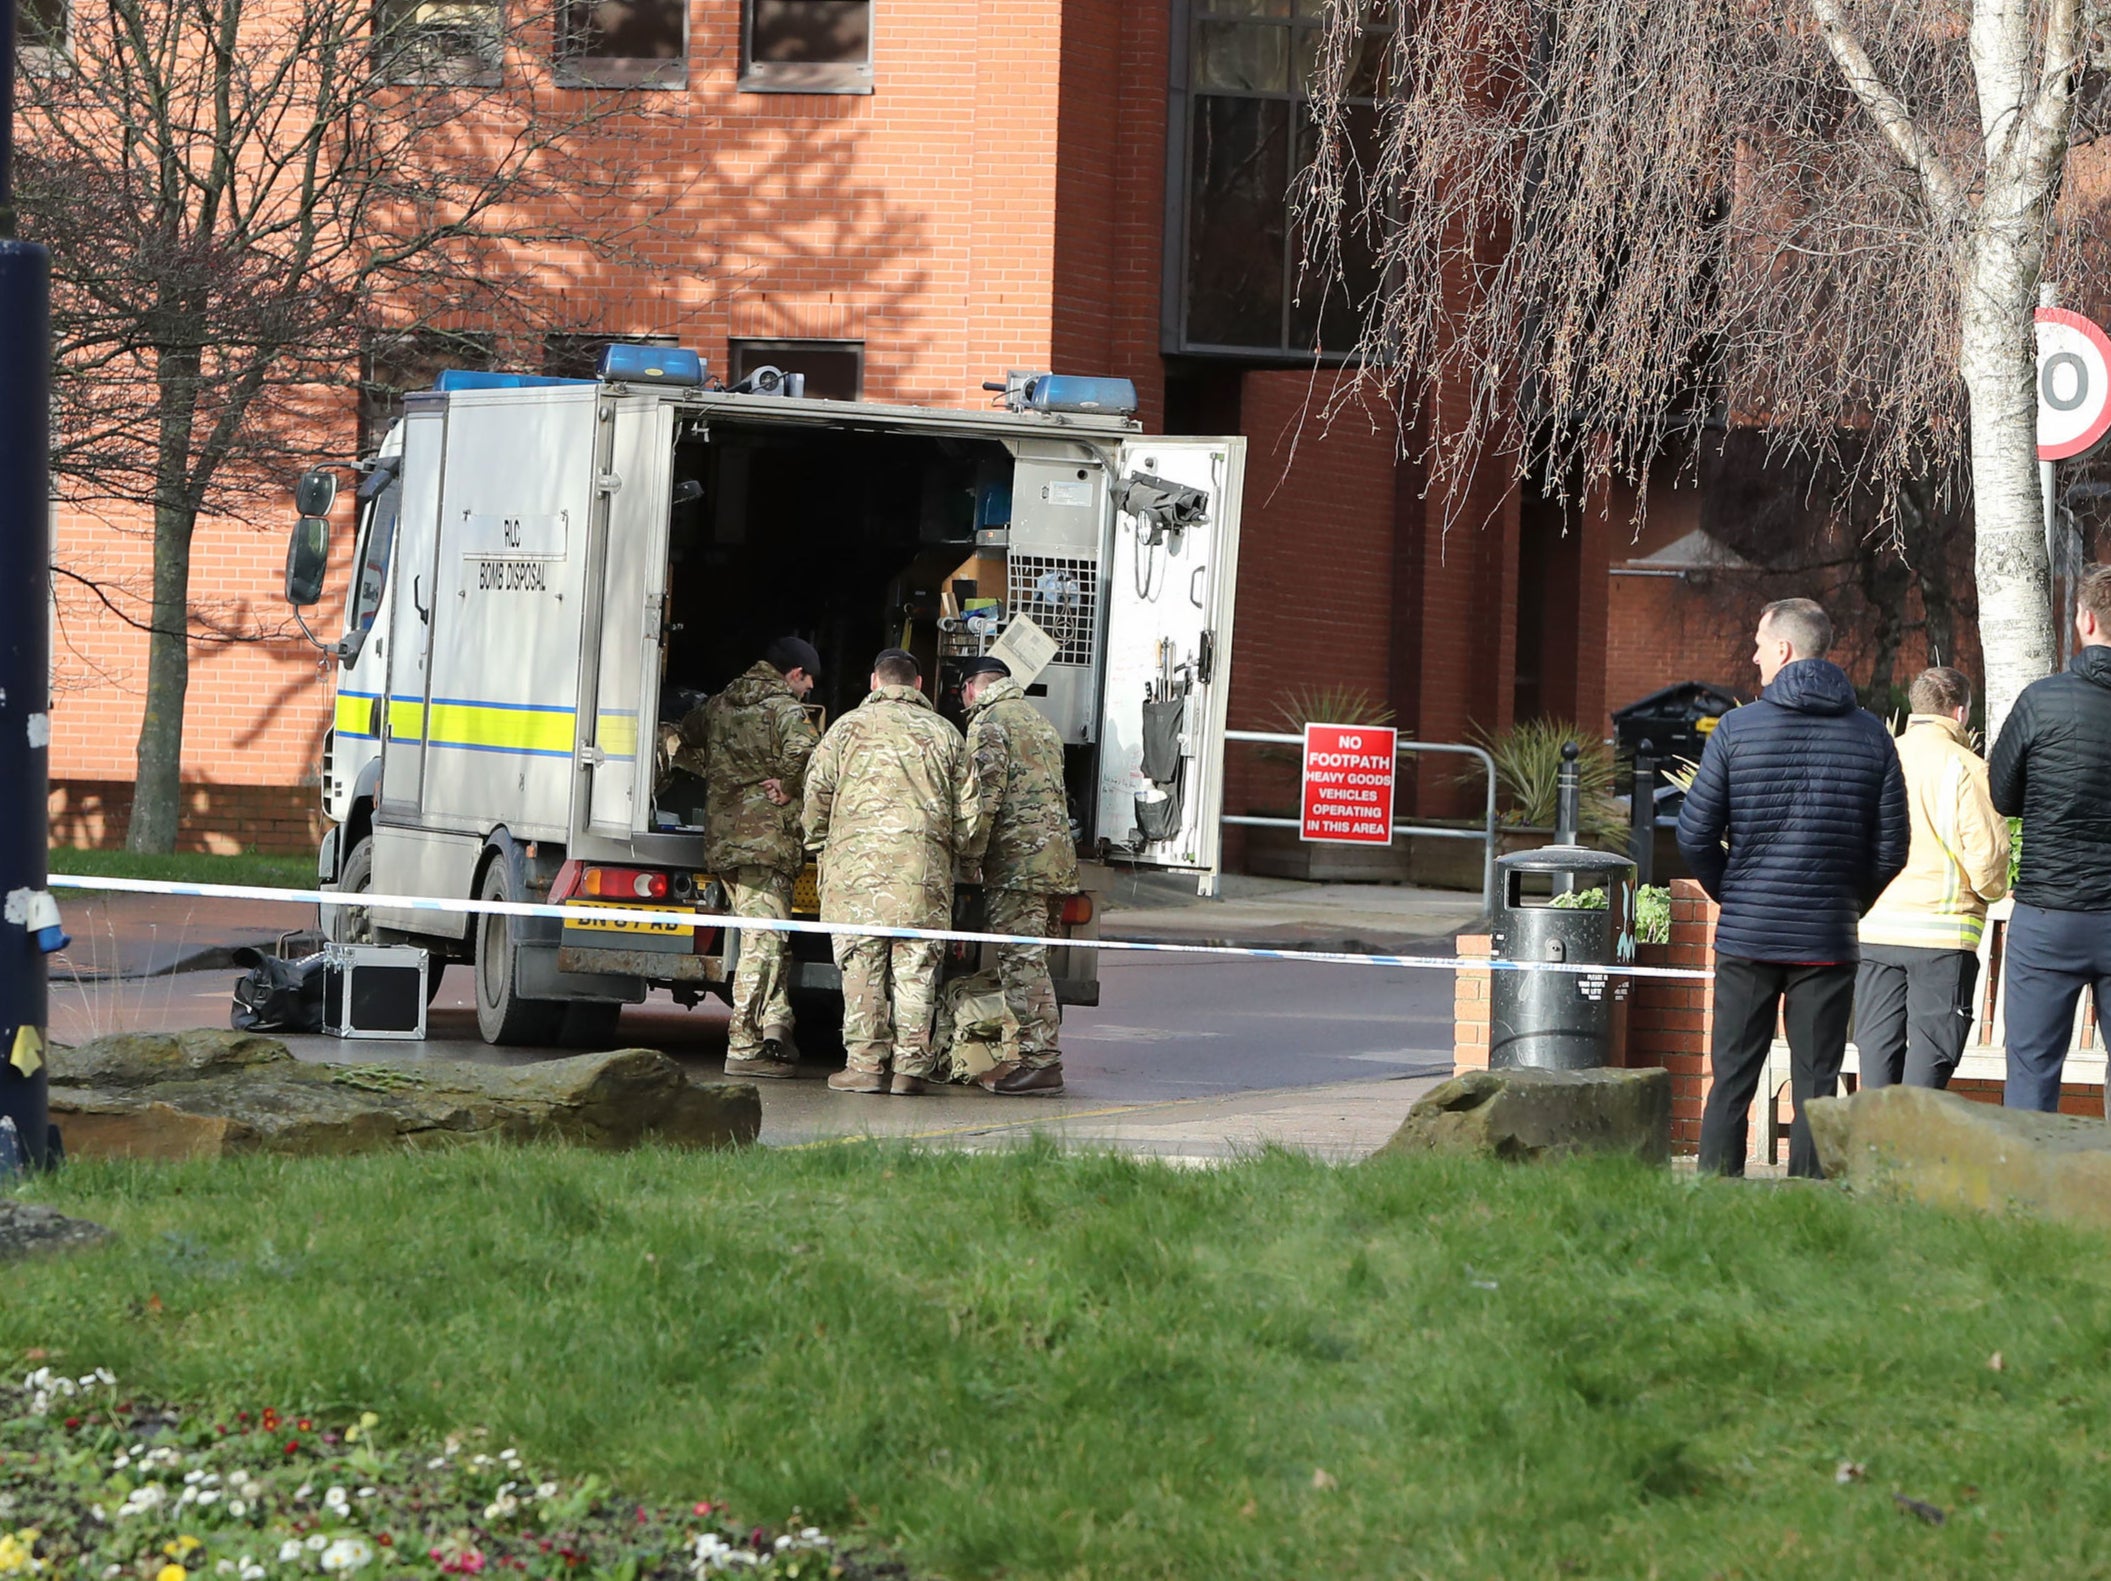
<point x="548" y="570"/>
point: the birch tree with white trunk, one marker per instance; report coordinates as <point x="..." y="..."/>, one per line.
<point x="1824" y="219"/>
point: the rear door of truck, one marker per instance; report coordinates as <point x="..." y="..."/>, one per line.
<point x="617" y="727"/>
<point x="1168" y="589"/>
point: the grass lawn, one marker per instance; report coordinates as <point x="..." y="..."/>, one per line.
<point x="1040" y="1365"/>
<point x="273" y="869"/>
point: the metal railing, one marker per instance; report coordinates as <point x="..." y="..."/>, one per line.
<point x="1485" y="834"/>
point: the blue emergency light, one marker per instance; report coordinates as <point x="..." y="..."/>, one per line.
<point x="632" y="363"/>
<point x="1063" y="392"/>
<point x="454" y="379"/>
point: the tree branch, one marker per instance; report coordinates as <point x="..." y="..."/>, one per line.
<point x="1892" y="117"/>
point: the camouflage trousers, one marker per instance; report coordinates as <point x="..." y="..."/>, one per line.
<point x="890" y="989"/>
<point x="762" y="1005"/>
<point x="1029" y="990"/>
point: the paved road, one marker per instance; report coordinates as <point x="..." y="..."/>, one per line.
<point x="1194" y="1057"/>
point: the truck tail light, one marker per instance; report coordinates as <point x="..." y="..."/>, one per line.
<point x="1077" y="910"/>
<point x="622" y="883"/>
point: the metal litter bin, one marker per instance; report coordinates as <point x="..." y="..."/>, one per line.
<point x="1559" y="1020"/>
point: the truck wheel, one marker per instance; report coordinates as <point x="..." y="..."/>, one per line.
<point x="356" y="877"/>
<point x="502" y="1015"/>
<point x="589" y="1024"/>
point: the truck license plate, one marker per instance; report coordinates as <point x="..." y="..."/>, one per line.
<point x="584" y="919"/>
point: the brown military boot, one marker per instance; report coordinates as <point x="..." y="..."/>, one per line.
<point x="768" y="1063"/>
<point x="851" y="1079"/>
<point x="1031" y="1081"/>
<point x="909" y="1086"/>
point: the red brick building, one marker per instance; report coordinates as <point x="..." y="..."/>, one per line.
<point x="906" y="197"/>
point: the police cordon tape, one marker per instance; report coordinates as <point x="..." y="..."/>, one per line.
<point x="660" y="917"/>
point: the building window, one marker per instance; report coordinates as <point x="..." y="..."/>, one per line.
<point x="43" y="29"/>
<point x="394" y="366"/>
<point x="623" y="43"/>
<point x="806" y="46"/>
<point x="571" y="356"/>
<point x="1243" y="130"/>
<point x="439" y="41"/>
<point x="834" y="369"/>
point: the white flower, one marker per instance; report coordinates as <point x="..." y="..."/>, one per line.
<point x="208" y="1495"/>
<point x="546" y="1490"/>
<point x="290" y="1551"/>
<point x="250" y="1570"/>
<point x="237" y="1508"/>
<point x="113" y="1570"/>
<point x="317" y="1543"/>
<point x="303" y="1490"/>
<point x="348" y="1553"/>
<point x="436" y="1463"/>
<point x="107" y="1377"/>
<point x="225" y="1567"/>
<point x="366" y="1493"/>
<point x="509" y="1455"/>
<point x="501" y="1507"/>
<point x="123" y="1460"/>
<point x="193" y="1477"/>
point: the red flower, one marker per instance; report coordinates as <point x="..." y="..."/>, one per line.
<point x="73" y="1421"/>
<point x="385" y="1540"/>
<point x="293" y="1446"/>
<point x="703" y="1507"/>
<point x="304" y="1424"/>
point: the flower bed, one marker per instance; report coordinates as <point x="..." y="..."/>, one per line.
<point x="97" y="1485"/>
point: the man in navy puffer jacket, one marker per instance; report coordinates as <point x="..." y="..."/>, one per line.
<point x="1806" y="786"/>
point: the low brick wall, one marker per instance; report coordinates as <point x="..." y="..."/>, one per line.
<point x="1670" y="1021"/>
<point x="223" y="820"/>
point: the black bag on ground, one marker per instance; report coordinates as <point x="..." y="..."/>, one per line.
<point x="277" y="996"/>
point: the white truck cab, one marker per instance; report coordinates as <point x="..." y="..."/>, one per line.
<point x="548" y="570"/>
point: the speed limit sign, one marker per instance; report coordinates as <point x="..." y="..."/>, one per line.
<point x="2074" y="384"/>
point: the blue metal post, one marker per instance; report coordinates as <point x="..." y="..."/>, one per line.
<point x="25" y="628"/>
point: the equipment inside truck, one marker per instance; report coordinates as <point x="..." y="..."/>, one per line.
<point x="857" y="541"/>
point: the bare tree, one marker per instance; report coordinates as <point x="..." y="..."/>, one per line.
<point x="1598" y="222"/>
<point x="239" y="194"/>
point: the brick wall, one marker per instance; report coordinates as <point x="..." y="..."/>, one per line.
<point x="223" y="820"/>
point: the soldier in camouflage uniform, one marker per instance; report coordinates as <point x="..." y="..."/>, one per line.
<point x="755" y="744"/>
<point x="1021" y="852"/>
<point x="889" y="797"/>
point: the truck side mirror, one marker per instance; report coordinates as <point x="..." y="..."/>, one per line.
<point x="315" y="493"/>
<point x="307" y="561"/>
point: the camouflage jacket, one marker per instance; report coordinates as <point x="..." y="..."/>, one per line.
<point x="752" y="731"/>
<point x="889" y="797"/>
<point x="1021" y="838"/>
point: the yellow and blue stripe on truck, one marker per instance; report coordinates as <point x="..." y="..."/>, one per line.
<point x="471" y="725"/>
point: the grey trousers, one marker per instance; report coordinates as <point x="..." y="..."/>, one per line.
<point x="1912" y="1013"/>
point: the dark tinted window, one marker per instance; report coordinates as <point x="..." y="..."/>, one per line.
<point x="41" y="24"/>
<point x="809" y="46"/>
<point x="834" y="369"/>
<point x="439" y="40"/>
<point x="1250" y="64"/>
<point x="638" y="43"/>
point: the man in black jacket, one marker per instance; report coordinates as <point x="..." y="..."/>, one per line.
<point x="2052" y="767"/>
<point x="1806" y="788"/>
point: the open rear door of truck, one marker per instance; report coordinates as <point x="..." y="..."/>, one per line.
<point x="1170" y="576"/>
<point x="617" y="732"/>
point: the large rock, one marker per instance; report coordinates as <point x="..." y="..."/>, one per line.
<point x="215" y="1094"/>
<point x="1523" y="1114"/>
<point x="1947" y="1150"/>
<point x="26" y="1227"/>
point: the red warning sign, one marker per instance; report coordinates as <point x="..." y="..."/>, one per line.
<point x="1349" y="783"/>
